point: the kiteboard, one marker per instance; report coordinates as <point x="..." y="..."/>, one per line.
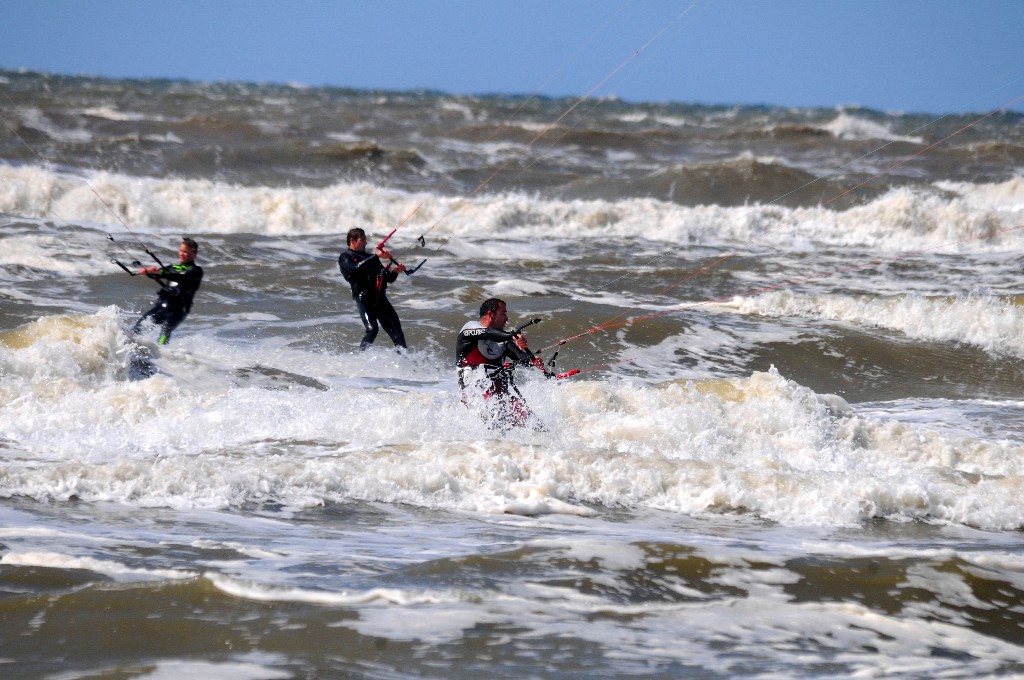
<point x="139" y="362"/>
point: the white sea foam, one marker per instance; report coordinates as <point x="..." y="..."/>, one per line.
<point x="846" y="126"/>
<point x="456" y="107"/>
<point x="216" y="438"/>
<point x="901" y="219"/>
<point x="251" y="666"/>
<point x="110" y="113"/>
<point x="44" y="252"/>
<point x="1008" y="195"/>
<point x="856" y="636"/>
<point x="660" y="119"/>
<point x="253" y="591"/>
<point x="970" y="418"/>
<point x="611" y="555"/>
<point x="86" y="349"/>
<point x="38" y="120"/>
<point x="345" y="137"/>
<point x="994" y="324"/>
<point x="764" y="622"/>
<point x="166" y="138"/>
<point x="114" y="570"/>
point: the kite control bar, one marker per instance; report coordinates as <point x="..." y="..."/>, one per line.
<point x="380" y="246"/>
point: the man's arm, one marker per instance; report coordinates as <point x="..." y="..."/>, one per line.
<point x="487" y="334"/>
<point x="352" y="267"/>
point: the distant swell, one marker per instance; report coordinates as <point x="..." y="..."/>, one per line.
<point x="968" y="216"/>
<point x="730" y="183"/>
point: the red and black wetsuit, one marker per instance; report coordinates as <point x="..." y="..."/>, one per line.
<point x="369" y="280"/>
<point x="479" y="348"/>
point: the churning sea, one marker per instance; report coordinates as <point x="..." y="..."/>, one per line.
<point x="795" y="447"/>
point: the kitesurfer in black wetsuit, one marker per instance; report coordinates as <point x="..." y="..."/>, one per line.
<point x="369" y="279"/>
<point x="178" y="285"/>
<point x="486" y="355"/>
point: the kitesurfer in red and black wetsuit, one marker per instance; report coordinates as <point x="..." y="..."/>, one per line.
<point x="178" y="285"/>
<point x="369" y="279"/>
<point x="486" y="355"/>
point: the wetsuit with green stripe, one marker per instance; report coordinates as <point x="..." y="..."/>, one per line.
<point x="178" y="285"/>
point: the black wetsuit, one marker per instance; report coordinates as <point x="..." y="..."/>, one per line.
<point x="178" y="285"/>
<point x="369" y="280"/>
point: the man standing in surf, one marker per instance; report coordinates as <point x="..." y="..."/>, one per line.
<point x="481" y="350"/>
<point x="178" y="285"/>
<point x="369" y="280"/>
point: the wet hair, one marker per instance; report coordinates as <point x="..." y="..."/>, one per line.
<point x="491" y="306"/>
<point x="355" y="233"/>
<point x="191" y="243"/>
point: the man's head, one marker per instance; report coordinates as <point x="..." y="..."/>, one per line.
<point x="493" y="313"/>
<point x="356" y="238"/>
<point x="188" y="249"/>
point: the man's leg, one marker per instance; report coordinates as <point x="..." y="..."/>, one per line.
<point x="157" y="315"/>
<point x="169" y="325"/>
<point x="390" y="323"/>
<point x="367" y="314"/>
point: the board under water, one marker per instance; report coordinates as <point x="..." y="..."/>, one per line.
<point x="140" y="363"/>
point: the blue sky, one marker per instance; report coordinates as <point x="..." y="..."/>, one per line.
<point x="936" y="56"/>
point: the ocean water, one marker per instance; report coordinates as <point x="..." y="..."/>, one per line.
<point x="795" y="447"/>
